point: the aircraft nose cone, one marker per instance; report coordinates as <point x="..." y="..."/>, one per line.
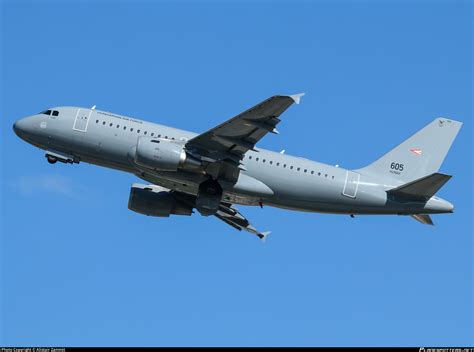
<point x="17" y="128"/>
<point x="21" y="127"/>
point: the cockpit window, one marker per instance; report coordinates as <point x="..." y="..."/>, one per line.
<point x="55" y="113"/>
<point x="46" y="112"/>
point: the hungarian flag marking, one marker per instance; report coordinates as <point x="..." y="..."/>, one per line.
<point x="416" y="151"/>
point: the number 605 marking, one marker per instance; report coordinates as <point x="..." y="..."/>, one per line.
<point x="396" y="166"/>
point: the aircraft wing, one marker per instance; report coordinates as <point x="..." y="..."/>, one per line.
<point x="232" y="139"/>
<point x="227" y="213"/>
<point x="234" y="218"/>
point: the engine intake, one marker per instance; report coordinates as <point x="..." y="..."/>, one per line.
<point x="156" y="201"/>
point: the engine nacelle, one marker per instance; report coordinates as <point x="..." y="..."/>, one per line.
<point x="163" y="155"/>
<point x="156" y="201"/>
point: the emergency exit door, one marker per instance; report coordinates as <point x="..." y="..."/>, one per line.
<point x="82" y="120"/>
<point x="351" y="185"/>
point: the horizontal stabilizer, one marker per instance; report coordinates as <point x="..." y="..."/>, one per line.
<point x="423" y="218"/>
<point x="422" y="189"/>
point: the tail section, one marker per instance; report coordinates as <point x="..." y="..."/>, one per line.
<point x="420" y="155"/>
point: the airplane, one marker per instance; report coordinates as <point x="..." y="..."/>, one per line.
<point x="222" y="167"/>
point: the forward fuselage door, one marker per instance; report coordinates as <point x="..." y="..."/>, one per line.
<point x="82" y="120"/>
<point x="351" y="185"/>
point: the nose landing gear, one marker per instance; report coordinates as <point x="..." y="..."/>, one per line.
<point x="51" y="159"/>
<point x="54" y="157"/>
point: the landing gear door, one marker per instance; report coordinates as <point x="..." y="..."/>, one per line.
<point x="82" y="120"/>
<point x="351" y="185"/>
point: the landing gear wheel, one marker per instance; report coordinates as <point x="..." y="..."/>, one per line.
<point x="51" y="159"/>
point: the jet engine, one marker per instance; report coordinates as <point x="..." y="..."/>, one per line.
<point x="163" y="155"/>
<point x="156" y="201"/>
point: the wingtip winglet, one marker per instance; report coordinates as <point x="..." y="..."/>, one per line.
<point x="296" y="97"/>
<point x="263" y="235"/>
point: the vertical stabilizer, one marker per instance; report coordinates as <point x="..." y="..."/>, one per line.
<point x="420" y="155"/>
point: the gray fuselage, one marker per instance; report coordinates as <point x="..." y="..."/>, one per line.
<point x="270" y="178"/>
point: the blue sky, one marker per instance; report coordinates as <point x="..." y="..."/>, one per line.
<point x="78" y="268"/>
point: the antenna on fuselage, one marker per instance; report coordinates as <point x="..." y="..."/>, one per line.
<point x="283" y="151"/>
<point x="93" y="108"/>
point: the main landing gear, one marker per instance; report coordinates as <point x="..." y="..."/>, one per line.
<point x="209" y="197"/>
